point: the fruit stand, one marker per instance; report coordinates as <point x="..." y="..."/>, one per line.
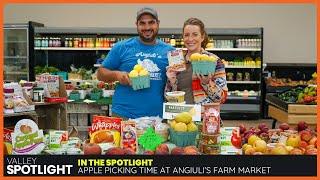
<point x="292" y="106"/>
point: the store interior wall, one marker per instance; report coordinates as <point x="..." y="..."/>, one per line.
<point x="289" y="29"/>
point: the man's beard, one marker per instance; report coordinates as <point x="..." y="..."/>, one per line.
<point x="149" y="39"/>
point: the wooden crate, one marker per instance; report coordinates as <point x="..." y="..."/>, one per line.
<point x="302" y="109"/>
<point x="295" y="114"/>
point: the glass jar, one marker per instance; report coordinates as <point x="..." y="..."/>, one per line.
<point x="38" y="94"/>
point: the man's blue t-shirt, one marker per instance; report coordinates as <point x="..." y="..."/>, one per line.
<point x="123" y="56"/>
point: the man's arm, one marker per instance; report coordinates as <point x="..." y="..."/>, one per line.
<point x="107" y="75"/>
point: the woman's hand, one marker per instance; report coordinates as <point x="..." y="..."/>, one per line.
<point x="171" y="74"/>
<point x="205" y="79"/>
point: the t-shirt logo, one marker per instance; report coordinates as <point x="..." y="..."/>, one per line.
<point x="151" y="67"/>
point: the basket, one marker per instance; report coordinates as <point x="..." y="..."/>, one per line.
<point x="140" y="82"/>
<point x="62" y="74"/>
<point x="203" y="67"/>
<point x="95" y="96"/>
<point x="74" y="96"/>
<point x="183" y="139"/>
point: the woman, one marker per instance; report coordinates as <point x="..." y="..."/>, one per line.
<point x="199" y="89"/>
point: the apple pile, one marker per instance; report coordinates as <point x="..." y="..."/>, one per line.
<point x="163" y="149"/>
<point x="261" y="132"/>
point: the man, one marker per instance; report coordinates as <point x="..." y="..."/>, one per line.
<point x="147" y="51"/>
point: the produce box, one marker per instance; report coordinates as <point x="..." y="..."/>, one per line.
<point x="294" y="114"/>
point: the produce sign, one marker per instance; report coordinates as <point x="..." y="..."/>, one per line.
<point x="170" y="110"/>
<point x="27" y="138"/>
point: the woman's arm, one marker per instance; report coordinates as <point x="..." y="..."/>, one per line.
<point x="216" y="87"/>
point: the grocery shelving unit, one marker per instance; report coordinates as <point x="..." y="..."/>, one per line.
<point x="248" y="107"/>
<point x="19" y="51"/>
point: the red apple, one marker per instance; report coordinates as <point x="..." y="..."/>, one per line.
<point x="310" y="147"/>
<point x="91" y="149"/>
<point x="190" y="150"/>
<point x="162" y="149"/>
<point x="311" y="151"/>
<point x="305" y="135"/>
<point x="262" y="125"/>
<point x="148" y="152"/>
<point x="303" y="144"/>
<point x="129" y="151"/>
<point x="296" y="151"/>
<point x="313" y="141"/>
<point x="242" y="128"/>
<point x="264" y="136"/>
<point x="284" y="126"/>
<point x="115" y="151"/>
<point x="177" y="151"/>
<point x="302" y="125"/>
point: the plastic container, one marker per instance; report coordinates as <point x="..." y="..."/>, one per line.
<point x="209" y="149"/>
<point x="175" y="96"/>
<point x="38" y="94"/>
<point x="183" y="139"/>
<point x="203" y="67"/>
<point x="140" y="82"/>
<point x="74" y="96"/>
<point x="210" y="139"/>
<point x="95" y="96"/>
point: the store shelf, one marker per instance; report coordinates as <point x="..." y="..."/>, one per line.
<point x="229" y="49"/>
<point x="70" y="48"/>
<point x="243" y="82"/>
<point x="80" y="80"/>
<point x="234" y="49"/>
<point x="243" y="98"/>
<point x="15" y="57"/>
<point x="15" y="73"/>
<point x="15" y="42"/>
<point x="242" y="67"/>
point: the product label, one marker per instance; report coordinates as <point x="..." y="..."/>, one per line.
<point x="170" y="110"/>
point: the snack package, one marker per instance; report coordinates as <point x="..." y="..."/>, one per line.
<point x="176" y="60"/>
<point x="105" y="130"/>
<point x="50" y="84"/>
<point x="129" y="135"/>
<point x="57" y="138"/>
<point x="211" y="121"/>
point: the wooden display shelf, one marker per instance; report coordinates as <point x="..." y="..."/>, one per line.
<point x="295" y="114"/>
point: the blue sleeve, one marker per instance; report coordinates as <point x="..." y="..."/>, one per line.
<point x="112" y="61"/>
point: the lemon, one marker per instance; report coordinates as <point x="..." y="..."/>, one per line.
<point x="137" y="67"/>
<point x="133" y="73"/>
<point x="195" y="57"/>
<point x="143" y="72"/>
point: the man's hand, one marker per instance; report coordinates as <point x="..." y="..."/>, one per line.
<point x="123" y="78"/>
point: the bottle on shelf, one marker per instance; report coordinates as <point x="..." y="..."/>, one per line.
<point x="173" y="41"/>
<point x="75" y="42"/>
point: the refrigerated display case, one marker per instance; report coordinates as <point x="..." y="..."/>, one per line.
<point x="19" y="51"/>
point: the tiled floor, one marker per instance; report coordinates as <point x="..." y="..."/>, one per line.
<point x="247" y="123"/>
